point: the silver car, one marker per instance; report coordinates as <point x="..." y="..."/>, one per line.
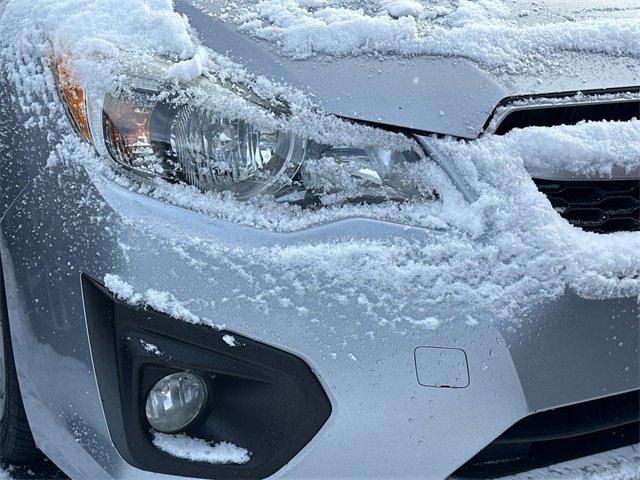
<point x="291" y="256"/>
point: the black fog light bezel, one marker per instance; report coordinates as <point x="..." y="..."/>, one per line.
<point x="261" y="398"/>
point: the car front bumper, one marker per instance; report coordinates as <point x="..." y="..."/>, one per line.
<point x="386" y="420"/>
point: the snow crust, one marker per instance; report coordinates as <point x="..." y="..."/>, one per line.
<point x="485" y="31"/>
<point x="198" y="450"/>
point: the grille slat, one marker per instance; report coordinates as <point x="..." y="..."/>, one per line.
<point x="552" y="115"/>
<point x="601" y="206"/>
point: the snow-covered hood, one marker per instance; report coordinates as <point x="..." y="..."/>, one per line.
<point x="436" y="66"/>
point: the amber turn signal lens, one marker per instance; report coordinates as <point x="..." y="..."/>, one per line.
<point x="72" y="96"/>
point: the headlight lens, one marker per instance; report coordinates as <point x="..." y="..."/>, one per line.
<point x="153" y="134"/>
<point x="221" y="154"/>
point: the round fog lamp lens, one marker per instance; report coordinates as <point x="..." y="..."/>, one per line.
<point x="175" y="402"/>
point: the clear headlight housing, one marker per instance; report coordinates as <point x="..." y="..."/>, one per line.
<point x="151" y="131"/>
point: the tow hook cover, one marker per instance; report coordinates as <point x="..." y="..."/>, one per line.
<point x="441" y="367"/>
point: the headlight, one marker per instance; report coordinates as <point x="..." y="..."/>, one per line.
<point x="198" y="146"/>
<point x="172" y="133"/>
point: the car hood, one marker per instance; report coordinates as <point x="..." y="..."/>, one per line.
<point x="450" y="95"/>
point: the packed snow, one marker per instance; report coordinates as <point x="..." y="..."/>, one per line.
<point x="198" y="450"/>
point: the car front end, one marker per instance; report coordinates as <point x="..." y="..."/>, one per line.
<point x="438" y="281"/>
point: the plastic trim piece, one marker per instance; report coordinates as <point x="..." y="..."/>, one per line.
<point x="263" y="399"/>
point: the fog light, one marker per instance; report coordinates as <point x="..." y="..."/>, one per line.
<point x="175" y="402"/>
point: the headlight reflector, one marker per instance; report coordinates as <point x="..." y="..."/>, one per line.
<point x="221" y="154"/>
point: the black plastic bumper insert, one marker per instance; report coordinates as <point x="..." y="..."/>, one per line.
<point x="262" y="398"/>
<point x="559" y="435"/>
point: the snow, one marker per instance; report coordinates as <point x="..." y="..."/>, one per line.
<point x="485" y="31"/>
<point x="505" y="253"/>
<point x="158" y="300"/>
<point x="230" y="340"/>
<point x="510" y="244"/>
<point x="621" y="464"/>
<point x="185" y="70"/>
<point x="429" y="322"/>
<point x="579" y="97"/>
<point x="89" y="38"/>
<point x="402" y="8"/>
<point x="151" y="348"/>
<point x="121" y="289"/>
<point x="198" y="450"/>
<point x="591" y="149"/>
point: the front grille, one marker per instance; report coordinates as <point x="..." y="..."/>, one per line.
<point x="559" y="435"/>
<point x="601" y="206"/>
